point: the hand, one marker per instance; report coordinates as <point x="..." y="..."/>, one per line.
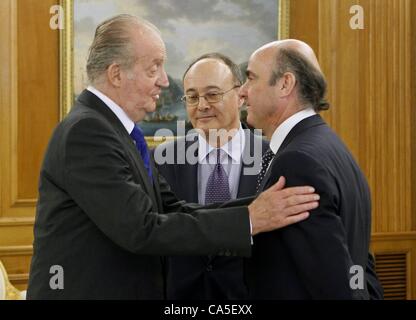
<point x="277" y="207"/>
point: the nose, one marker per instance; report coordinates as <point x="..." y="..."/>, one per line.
<point x="203" y="104"/>
<point x="163" y="80"/>
<point x="242" y="92"/>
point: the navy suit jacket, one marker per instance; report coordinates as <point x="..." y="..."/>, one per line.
<point x="313" y="259"/>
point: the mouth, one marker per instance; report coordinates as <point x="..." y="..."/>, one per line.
<point x="205" y="118"/>
<point x="156" y="97"/>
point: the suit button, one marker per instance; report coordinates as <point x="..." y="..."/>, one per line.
<point x="209" y="268"/>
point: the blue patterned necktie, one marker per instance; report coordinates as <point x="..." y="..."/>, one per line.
<point x="141" y="145"/>
<point x="218" y="188"/>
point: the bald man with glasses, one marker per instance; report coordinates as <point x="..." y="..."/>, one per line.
<point x="225" y="168"/>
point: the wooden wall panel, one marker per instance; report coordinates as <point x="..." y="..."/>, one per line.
<point x="29" y="110"/>
<point x="30" y="100"/>
<point x="304" y="22"/>
<point x="38" y="90"/>
<point x="368" y="73"/>
<point x="16" y="260"/>
<point x="413" y="114"/>
<point x="396" y="243"/>
<point x="371" y="77"/>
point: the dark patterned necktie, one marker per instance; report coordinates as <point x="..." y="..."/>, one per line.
<point x="218" y="187"/>
<point x="141" y="145"/>
<point x="265" y="161"/>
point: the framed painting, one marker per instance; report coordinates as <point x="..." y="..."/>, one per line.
<point x="189" y="28"/>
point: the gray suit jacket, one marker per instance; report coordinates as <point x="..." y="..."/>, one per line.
<point x="99" y="217"/>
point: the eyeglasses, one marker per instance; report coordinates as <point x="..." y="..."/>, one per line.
<point x="211" y="97"/>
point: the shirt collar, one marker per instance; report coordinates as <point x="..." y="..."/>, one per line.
<point x="121" y="115"/>
<point x="234" y="148"/>
<point x="284" y="128"/>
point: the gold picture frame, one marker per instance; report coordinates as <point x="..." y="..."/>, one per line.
<point x="67" y="55"/>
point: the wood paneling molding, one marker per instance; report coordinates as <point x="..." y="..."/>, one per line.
<point x="16" y="250"/>
<point x="393" y="236"/>
<point x="16" y="260"/>
<point x="29" y="100"/>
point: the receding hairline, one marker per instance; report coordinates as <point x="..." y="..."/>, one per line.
<point x="209" y="60"/>
<point x="293" y="45"/>
<point x="133" y="25"/>
<point x="128" y="20"/>
<point x="115" y="39"/>
<point x="213" y="57"/>
<point x="205" y="60"/>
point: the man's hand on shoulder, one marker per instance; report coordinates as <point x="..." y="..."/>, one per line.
<point x="276" y="207"/>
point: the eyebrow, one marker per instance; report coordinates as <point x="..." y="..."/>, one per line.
<point x="156" y="61"/>
<point x="205" y="88"/>
<point x="250" y="73"/>
<point x="159" y="60"/>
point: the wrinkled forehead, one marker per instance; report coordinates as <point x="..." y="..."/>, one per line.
<point x="262" y="62"/>
<point x="147" y="43"/>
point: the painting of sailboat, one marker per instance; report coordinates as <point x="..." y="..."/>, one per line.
<point x="189" y="28"/>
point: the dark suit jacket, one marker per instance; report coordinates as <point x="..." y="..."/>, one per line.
<point x="312" y="259"/>
<point x="203" y="277"/>
<point x="99" y="217"/>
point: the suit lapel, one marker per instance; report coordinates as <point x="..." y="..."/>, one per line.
<point x="303" y="125"/>
<point x="190" y="171"/>
<point x="139" y="164"/>
<point x="156" y="185"/>
<point x="186" y="178"/>
<point x="247" y="183"/>
<point x="190" y="174"/>
<point x="90" y="100"/>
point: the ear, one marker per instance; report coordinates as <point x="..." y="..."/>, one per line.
<point x="286" y="84"/>
<point x="114" y="74"/>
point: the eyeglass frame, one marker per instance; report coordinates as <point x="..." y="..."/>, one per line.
<point x="183" y="98"/>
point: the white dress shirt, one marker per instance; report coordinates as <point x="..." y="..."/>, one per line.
<point x="231" y="162"/>
<point x="280" y="134"/>
<point x="120" y="114"/>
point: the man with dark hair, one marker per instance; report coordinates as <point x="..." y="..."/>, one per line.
<point x="99" y="216"/>
<point x="324" y="257"/>
<point x="211" y="85"/>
